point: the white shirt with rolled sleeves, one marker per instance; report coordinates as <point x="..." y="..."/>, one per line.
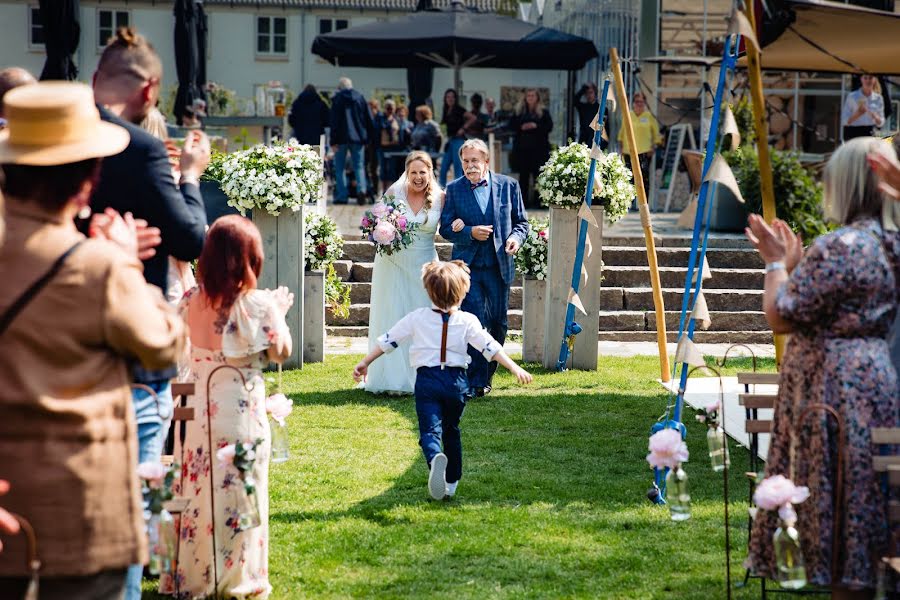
<point x="424" y="326"/>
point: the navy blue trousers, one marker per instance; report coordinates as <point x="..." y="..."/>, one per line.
<point x="488" y="299"/>
<point x="440" y="401"/>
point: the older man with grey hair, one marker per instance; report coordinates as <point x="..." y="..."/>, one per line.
<point x="484" y="217"/>
<point x="10" y="78"/>
<point x="351" y="130"/>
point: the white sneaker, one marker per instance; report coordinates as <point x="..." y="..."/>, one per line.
<point x="451" y="489"/>
<point x="437" y="484"/>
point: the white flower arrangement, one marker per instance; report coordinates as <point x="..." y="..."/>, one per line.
<point x="531" y="259"/>
<point x="279" y="177"/>
<point x="322" y="243"/>
<point x="563" y="181"/>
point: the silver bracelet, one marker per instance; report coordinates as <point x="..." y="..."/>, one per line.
<point x="774" y="266"/>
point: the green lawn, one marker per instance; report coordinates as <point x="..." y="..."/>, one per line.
<point x="552" y="501"/>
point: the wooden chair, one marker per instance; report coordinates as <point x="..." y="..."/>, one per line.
<point x="889" y="465"/>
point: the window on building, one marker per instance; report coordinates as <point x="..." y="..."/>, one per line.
<point x="271" y="35"/>
<point x="108" y="21"/>
<point x="35" y="28"/>
<point x="329" y="25"/>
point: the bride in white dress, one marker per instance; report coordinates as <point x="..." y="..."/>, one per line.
<point x="397" y="279"/>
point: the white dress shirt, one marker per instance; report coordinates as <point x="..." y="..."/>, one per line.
<point x="874" y="103"/>
<point x="424" y="327"/>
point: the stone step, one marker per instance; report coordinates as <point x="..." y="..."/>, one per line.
<point x="364" y="251"/>
<point x="701" y="337"/>
<point x="674" y="277"/>
<point x="721" y="240"/>
<point x="342" y="269"/>
<point x="717" y="258"/>
<point x="360" y="293"/>
<point x="642" y="299"/>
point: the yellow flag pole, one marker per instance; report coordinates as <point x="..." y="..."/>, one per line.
<point x="665" y="375"/>
<point x="760" y="120"/>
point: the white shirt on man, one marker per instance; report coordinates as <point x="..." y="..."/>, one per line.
<point x="424" y="327"/>
<point x="874" y="103"/>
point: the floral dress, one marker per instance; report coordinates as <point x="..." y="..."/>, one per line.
<point x="841" y="299"/>
<point x="235" y="411"/>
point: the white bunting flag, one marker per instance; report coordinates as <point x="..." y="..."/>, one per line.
<point x="729" y="127"/>
<point x="700" y="313"/>
<point x="740" y="24"/>
<point x="721" y="173"/>
<point x="596" y="152"/>
<point x="576" y="301"/>
<point x="588" y="247"/>
<point x="587" y="214"/>
<point x="688" y="353"/>
<point x="595" y="124"/>
<point x="706" y="274"/>
<point x="584" y="272"/>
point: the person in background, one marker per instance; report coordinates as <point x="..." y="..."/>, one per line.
<point x="406" y="126"/>
<point x="68" y="442"/>
<point x="473" y="124"/>
<point x="838" y="300"/>
<point x="646" y="136"/>
<point x="387" y="131"/>
<point x="453" y="119"/>
<point x="10" y="78"/>
<point x="531" y="149"/>
<point x="863" y="110"/>
<point x="587" y="105"/>
<point x="490" y="111"/>
<point x="139" y="181"/>
<point x="372" y="154"/>
<point x="351" y="125"/>
<point x="308" y="117"/>
<point x="426" y="134"/>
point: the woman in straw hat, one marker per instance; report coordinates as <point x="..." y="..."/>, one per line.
<point x="73" y="312"/>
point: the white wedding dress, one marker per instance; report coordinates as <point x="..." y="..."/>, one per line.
<point x="397" y="291"/>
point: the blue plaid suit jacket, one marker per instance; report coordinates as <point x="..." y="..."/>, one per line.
<point x="510" y="220"/>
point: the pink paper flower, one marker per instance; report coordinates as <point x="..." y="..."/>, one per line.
<point x="153" y="473"/>
<point x="777" y="491"/>
<point x="667" y="449"/>
<point x="380" y="210"/>
<point x="279" y="406"/>
<point x="384" y="233"/>
<point x="225" y="454"/>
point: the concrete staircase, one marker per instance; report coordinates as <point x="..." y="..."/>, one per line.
<point x="733" y="294"/>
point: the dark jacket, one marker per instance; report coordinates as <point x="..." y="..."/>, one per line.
<point x="532" y="147"/>
<point x="586" y="113"/>
<point x="351" y="122"/>
<point x="139" y="180"/>
<point x="454" y="119"/>
<point x="309" y="117"/>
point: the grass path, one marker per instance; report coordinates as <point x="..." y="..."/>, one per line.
<point x="551" y="505"/>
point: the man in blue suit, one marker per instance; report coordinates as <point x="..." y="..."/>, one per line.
<point x="484" y="217"/>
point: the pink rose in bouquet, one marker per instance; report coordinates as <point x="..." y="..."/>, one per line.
<point x="279" y="406"/>
<point x="153" y="473"/>
<point x="380" y="210"/>
<point x="386" y="226"/>
<point x="384" y="233"/>
<point x="778" y="491"/>
<point x="667" y="449"/>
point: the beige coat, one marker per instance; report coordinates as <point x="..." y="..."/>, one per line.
<point x="67" y="432"/>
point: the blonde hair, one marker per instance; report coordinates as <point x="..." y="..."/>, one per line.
<point x="128" y="53"/>
<point x="446" y="282"/>
<point x="538" y="107"/>
<point x="155" y="124"/>
<point x="851" y="187"/>
<point x="431" y="190"/>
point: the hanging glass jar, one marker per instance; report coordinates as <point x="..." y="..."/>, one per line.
<point x="677" y="495"/>
<point x="162" y="540"/>
<point x="791" y="570"/>
<point x="718" y="448"/>
<point x="280" y="446"/>
<point x="247" y="508"/>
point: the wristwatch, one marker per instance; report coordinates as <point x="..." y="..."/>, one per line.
<point x="774" y="266"/>
<point x="185" y="179"/>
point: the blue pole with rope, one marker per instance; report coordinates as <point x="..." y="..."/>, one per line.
<point x="572" y="328"/>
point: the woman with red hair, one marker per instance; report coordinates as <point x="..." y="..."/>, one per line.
<point x="231" y="323"/>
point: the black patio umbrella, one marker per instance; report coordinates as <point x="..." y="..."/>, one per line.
<point x="62" y="31"/>
<point x="187" y="54"/>
<point x="455" y="38"/>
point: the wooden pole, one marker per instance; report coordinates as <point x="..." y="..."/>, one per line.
<point x="760" y="120"/>
<point x="645" y="217"/>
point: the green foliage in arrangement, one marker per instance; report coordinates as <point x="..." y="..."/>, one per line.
<point x="322" y="246"/>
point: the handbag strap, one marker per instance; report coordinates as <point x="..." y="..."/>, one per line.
<point x="28" y="295"/>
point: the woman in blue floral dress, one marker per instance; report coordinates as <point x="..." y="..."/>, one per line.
<point x="231" y="323"/>
<point x="838" y="302"/>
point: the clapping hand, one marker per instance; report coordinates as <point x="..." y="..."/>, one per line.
<point x="110" y="225"/>
<point x="528" y="126"/>
<point x="283" y="298"/>
<point x="775" y="243"/>
<point x="195" y="155"/>
<point x="888" y="171"/>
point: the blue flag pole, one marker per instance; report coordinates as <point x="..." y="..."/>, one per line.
<point x="572" y="328"/>
<point x="698" y="253"/>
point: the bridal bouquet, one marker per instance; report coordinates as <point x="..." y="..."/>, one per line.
<point x="386" y="226"/>
<point x="282" y="176"/>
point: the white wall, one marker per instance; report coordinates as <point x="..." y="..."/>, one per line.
<point x="232" y="59"/>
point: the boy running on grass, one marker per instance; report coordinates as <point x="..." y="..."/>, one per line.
<point x="438" y="351"/>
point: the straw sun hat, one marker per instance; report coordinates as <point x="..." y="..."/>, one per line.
<point x="56" y="123"/>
